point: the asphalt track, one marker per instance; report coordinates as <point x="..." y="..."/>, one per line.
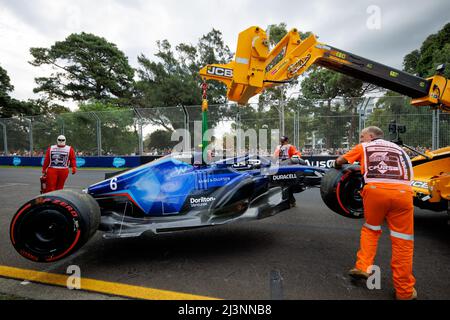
<point x="308" y="248"/>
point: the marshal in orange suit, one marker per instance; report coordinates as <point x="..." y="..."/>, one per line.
<point x="387" y="195"/>
<point x="56" y="164"/>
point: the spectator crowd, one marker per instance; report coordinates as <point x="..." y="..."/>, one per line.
<point x="166" y="151"/>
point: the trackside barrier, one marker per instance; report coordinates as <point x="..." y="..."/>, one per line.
<point x="82" y="162"/>
<point x="130" y="161"/>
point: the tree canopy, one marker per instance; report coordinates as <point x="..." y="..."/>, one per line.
<point x="85" y="67"/>
<point x="5" y="88"/>
<point x="435" y="50"/>
<point x="173" y="79"/>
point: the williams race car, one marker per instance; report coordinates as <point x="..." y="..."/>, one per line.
<point x="170" y="194"/>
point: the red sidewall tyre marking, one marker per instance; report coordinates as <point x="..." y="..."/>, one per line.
<point x="338" y="194"/>
<point x="11" y="232"/>
<point x="77" y="237"/>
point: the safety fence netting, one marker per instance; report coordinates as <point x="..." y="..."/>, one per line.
<point x="316" y="127"/>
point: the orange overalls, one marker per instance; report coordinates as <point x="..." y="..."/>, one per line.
<point x="387" y="172"/>
<point x="286" y="151"/>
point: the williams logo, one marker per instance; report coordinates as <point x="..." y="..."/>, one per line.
<point x="221" y="72"/>
<point x="284" y="177"/>
<point x="201" y="202"/>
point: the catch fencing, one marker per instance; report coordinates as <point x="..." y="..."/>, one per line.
<point x="317" y="127"/>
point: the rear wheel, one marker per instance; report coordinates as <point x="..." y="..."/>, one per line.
<point x="340" y="190"/>
<point x="52" y="226"/>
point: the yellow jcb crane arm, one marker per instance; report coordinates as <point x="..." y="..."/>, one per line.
<point x="256" y="68"/>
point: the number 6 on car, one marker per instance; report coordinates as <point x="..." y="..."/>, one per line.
<point x="113" y="184"/>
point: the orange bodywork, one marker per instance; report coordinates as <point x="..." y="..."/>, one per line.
<point x="432" y="176"/>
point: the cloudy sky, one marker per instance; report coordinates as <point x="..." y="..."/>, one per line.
<point x="136" y="25"/>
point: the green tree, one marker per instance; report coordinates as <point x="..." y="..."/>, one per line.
<point x="159" y="139"/>
<point x="442" y="56"/>
<point x="417" y="120"/>
<point x="5" y="83"/>
<point x="118" y="129"/>
<point x="166" y="82"/>
<point x="435" y="50"/>
<point x="9" y="106"/>
<point x="39" y="112"/>
<point x="173" y="79"/>
<point x="44" y="123"/>
<point x="85" y="67"/>
<point x="334" y="120"/>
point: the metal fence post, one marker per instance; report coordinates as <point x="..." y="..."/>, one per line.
<point x="435" y="135"/>
<point x="62" y="124"/>
<point x="297" y="128"/>
<point x="362" y="114"/>
<point x="360" y="119"/>
<point x="141" y="132"/>
<point x="296" y="120"/>
<point x="141" y="138"/>
<point x="433" y="130"/>
<point x="186" y="118"/>
<point x="281" y="115"/>
<point x="30" y="122"/>
<point x="186" y="139"/>
<point x="438" y="113"/>
<point x="5" y="138"/>
<point x="238" y="126"/>
<point x="99" y="134"/>
<point x="31" y="138"/>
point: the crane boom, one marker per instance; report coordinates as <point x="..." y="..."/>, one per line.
<point x="256" y="68"/>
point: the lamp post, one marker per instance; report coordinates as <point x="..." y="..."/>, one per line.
<point x="362" y="114"/>
<point x="296" y="121"/>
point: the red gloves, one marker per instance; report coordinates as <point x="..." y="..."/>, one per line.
<point x="74" y="170"/>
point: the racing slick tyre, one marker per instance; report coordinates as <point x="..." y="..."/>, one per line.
<point x="340" y="191"/>
<point x="54" y="225"/>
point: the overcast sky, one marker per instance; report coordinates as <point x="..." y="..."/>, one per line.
<point x="135" y="26"/>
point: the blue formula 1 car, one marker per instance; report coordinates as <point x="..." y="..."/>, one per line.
<point x="169" y="194"/>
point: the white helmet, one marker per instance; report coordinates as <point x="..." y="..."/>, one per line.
<point x="61" y="141"/>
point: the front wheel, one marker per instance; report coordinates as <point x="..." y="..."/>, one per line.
<point x="54" y="225"/>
